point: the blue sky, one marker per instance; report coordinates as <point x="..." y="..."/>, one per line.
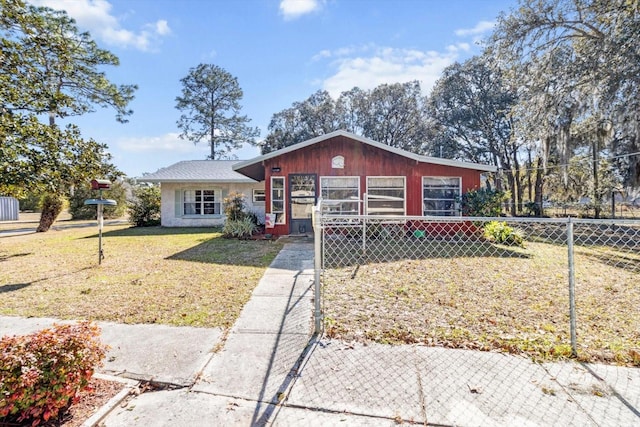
<point x="281" y="51"/>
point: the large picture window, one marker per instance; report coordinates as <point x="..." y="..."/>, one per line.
<point x="201" y="202"/>
<point x="385" y="195"/>
<point x="277" y="199"/>
<point x="340" y="194"/>
<point x="441" y="195"/>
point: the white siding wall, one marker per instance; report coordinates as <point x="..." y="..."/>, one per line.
<point x="168" y="208"/>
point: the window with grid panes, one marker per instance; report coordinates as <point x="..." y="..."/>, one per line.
<point x="441" y="195"/>
<point x="277" y="199"/>
<point x="201" y="202"/>
<point x="340" y="194"/>
<point x="385" y="195"/>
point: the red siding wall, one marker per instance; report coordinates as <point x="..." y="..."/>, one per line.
<point x="360" y="160"/>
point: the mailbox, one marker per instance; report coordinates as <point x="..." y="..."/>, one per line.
<point x="100" y="184"/>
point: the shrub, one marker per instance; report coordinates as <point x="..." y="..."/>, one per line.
<point x="254" y="218"/>
<point x="240" y="228"/>
<point x="144" y="209"/>
<point x="483" y="202"/>
<point x="500" y="232"/>
<point x="234" y="206"/>
<point x="79" y="210"/>
<point x="31" y="202"/>
<point x="42" y="373"/>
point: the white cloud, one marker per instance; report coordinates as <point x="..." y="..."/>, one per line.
<point x="96" y="17"/>
<point x="167" y="143"/>
<point x="162" y="27"/>
<point x="460" y="47"/>
<point x="481" y="27"/>
<point x="292" y="9"/>
<point x="375" y="65"/>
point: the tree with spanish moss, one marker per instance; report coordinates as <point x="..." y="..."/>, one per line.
<point x="577" y="66"/>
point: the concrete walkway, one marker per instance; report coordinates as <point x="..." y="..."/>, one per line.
<point x="271" y="370"/>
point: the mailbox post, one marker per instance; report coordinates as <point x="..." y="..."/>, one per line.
<point x="100" y="184"/>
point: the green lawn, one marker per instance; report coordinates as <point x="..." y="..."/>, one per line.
<point x="171" y="276"/>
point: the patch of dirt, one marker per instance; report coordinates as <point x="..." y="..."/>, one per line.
<point x="91" y="400"/>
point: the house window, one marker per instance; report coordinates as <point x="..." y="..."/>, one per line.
<point x="277" y="199"/>
<point x="258" y="196"/>
<point x="201" y="202"/>
<point x="385" y="195"/>
<point x="340" y="194"/>
<point x="441" y="195"/>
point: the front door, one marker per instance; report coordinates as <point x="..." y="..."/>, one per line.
<point x="302" y="198"/>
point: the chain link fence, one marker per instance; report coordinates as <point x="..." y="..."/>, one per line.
<point x="407" y="302"/>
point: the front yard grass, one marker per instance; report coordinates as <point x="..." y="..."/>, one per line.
<point x="149" y="275"/>
<point x="519" y="304"/>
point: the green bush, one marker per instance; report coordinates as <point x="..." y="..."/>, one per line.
<point x="144" y="209"/>
<point x="240" y="228"/>
<point x="239" y="222"/>
<point x="79" y="210"/>
<point x="31" y="202"/>
<point x="42" y="373"/>
<point x="254" y="218"/>
<point x="482" y="202"/>
<point x="500" y="232"/>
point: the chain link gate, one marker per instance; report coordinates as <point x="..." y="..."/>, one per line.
<point x="407" y="302"/>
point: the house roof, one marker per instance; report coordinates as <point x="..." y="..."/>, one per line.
<point x="254" y="169"/>
<point x="198" y="171"/>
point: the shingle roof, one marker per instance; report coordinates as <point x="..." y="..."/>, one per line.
<point x="198" y="171"/>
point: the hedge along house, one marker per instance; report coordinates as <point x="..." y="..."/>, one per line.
<point x="193" y="192"/>
<point x="341" y="167"/>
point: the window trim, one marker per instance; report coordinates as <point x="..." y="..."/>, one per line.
<point x="217" y="195"/>
<point x="456" y="202"/>
<point x="253" y="195"/>
<point x="404" y="190"/>
<point x="283" y="218"/>
<point x="327" y="206"/>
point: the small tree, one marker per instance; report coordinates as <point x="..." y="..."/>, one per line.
<point x="144" y="209"/>
<point x="234" y="206"/>
<point x="210" y="105"/>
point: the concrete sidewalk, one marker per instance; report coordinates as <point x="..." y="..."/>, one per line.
<point x="271" y="370"/>
<point x="30" y="228"/>
<point x="160" y="353"/>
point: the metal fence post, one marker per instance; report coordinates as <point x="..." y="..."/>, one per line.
<point x="572" y="288"/>
<point x="365" y="203"/>
<point x="317" y="261"/>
